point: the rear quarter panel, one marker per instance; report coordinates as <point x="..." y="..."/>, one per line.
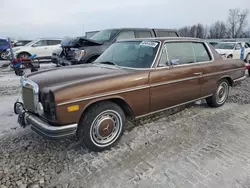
<point x="221" y="68"/>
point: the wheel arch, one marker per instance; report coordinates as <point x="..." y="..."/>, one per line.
<point x="22" y="52"/>
<point x="117" y="100"/>
<point x="228" y="78"/>
<point x="92" y="56"/>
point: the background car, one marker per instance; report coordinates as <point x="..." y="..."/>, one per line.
<point x="79" y="50"/>
<point x="21" y="43"/>
<point x="4" y="45"/>
<point x="43" y="48"/>
<point x="233" y="50"/>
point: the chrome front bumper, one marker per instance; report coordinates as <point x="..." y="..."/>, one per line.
<point x="41" y="127"/>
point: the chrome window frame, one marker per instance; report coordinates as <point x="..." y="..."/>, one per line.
<point x="183" y="65"/>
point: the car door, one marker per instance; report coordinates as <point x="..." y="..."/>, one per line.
<point x="39" y="48"/>
<point x="176" y="79"/>
<point x="204" y="58"/>
<point x="52" y="45"/>
<point x="237" y="51"/>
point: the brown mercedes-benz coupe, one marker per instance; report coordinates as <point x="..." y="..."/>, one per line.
<point x="132" y="78"/>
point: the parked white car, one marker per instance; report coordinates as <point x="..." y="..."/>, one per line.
<point x="233" y="50"/>
<point x="43" y="48"/>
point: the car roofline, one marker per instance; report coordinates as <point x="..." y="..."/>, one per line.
<point x="163" y="39"/>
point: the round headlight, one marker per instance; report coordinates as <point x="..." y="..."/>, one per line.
<point x="40" y="110"/>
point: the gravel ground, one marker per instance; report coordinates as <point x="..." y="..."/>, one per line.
<point x="196" y="147"/>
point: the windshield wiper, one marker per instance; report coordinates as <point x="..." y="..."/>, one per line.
<point x="107" y="63"/>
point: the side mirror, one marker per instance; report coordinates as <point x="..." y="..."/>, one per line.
<point x="175" y="62"/>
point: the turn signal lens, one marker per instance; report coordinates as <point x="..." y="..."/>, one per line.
<point x="73" y="108"/>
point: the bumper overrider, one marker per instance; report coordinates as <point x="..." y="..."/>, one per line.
<point x="41" y="127"/>
<point x="30" y="110"/>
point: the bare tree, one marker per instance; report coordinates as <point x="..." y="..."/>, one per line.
<point x="218" y="30"/>
<point x="237" y="22"/>
<point x="200" y="31"/>
<point x="193" y="31"/>
<point x="184" y="31"/>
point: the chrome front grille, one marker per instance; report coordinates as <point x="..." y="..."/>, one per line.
<point x="30" y="93"/>
<point x="28" y="98"/>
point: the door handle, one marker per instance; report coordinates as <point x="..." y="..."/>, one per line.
<point x="198" y="73"/>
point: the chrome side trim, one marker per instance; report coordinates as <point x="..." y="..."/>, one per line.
<point x="221" y="72"/>
<point x="104" y="95"/>
<point x="240" y="79"/>
<point x="175" y="81"/>
<point x="143" y="87"/>
<point x="154" y="112"/>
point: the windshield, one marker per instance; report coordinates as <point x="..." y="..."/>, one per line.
<point x="3" y="42"/>
<point x="133" y="54"/>
<point x="104" y="35"/>
<point x="228" y="46"/>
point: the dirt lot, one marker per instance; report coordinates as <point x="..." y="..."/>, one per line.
<point x="197" y="147"/>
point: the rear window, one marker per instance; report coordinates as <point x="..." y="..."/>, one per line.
<point x="167" y="34"/>
<point x="200" y="52"/>
<point x="54" y="42"/>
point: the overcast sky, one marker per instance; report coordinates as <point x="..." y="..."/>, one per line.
<point x="59" y="18"/>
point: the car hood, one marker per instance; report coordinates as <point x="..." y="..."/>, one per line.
<point x="79" y="42"/>
<point x="224" y="51"/>
<point x="58" y="78"/>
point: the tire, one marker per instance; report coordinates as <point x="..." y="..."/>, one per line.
<point x="94" y="130"/>
<point x="230" y="57"/>
<point x="3" y="55"/>
<point x="248" y="58"/>
<point x="23" y="55"/>
<point x="220" y="95"/>
<point x="249" y="72"/>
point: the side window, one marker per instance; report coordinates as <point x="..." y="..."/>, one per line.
<point x="166" y="34"/>
<point x="163" y="62"/>
<point x="40" y="43"/>
<point x="126" y="35"/>
<point x="247" y="45"/>
<point x="144" y="34"/>
<point x="238" y="46"/>
<point x="201" y="53"/>
<point x="53" y="42"/>
<point x="180" y="53"/>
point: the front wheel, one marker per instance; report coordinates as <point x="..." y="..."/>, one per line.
<point x="3" y="55"/>
<point x="220" y="95"/>
<point x="101" y="126"/>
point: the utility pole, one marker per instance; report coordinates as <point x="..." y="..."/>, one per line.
<point x="83" y="30"/>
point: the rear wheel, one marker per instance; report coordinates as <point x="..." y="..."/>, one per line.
<point x="220" y="95"/>
<point x="101" y="126"/>
<point x="248" y="58"/>
<point x="3" y="55"/>
<point x="23" y="55"/>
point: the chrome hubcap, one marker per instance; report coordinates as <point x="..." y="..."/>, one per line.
<point x="106" y="128"/>
<point x="222" y="93"/>
<point x="4" y="55"/>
